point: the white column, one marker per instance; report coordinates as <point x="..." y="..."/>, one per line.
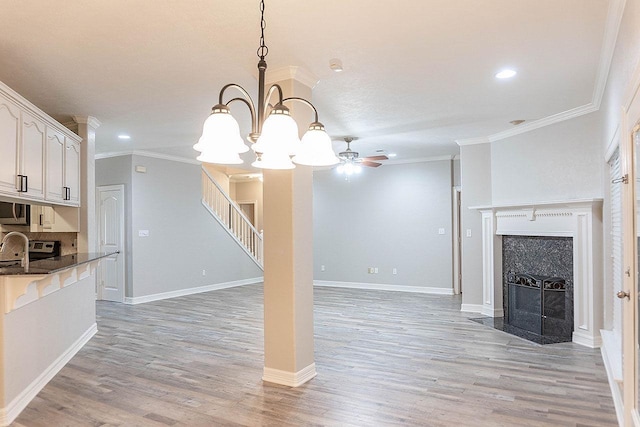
<point x="492" y="266"/>
<point x="87" y="126"/>
<point x="288" y="259"/>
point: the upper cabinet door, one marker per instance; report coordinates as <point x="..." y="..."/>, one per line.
<point x="72" y="171"/>
<point x="54" y="185"/>
<point x="32" y="156"/>
<point x="9" y="134"/>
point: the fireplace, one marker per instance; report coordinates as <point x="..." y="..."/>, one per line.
<point x="578" y="222"/>
<point x="538" y="285"/>
<point x="539" y="304"/>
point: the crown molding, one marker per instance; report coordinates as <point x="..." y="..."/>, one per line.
<point x="473" y="141"/>
<point x="87" y="120"/>
<point x="292" y="72"/>
<point x="612" y="28"/>
<point x="547" y="121"/>
<point x="609" y="39"/>
<point x="143" y="153"/>
<point x="418" y="160"/>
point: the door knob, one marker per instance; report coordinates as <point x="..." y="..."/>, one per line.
<point x="623" y="294"/>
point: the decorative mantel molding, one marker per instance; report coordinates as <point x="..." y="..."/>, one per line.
<point x="578" y="219"/>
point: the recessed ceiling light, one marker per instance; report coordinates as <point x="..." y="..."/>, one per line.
<point x="122" y="136"/>
<point x="391" y="155"/>
<point x="506" y="74"/>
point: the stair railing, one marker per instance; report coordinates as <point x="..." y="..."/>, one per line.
<point x="229" y="214"/>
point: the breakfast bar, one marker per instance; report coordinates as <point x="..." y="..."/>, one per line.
<point x="48" y="315"/>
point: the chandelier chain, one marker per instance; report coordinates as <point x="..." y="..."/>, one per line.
<point x="263" y="50"/>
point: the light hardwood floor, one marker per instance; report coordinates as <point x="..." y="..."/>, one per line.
<point x="383" y="359"/>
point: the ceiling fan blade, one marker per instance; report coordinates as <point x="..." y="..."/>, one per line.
<point x="370" y="164"/>
<point x="373" y="158"/>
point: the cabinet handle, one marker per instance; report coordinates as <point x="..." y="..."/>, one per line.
<point x="26" y="184"/>
<point x="21" y="181"/>
<point x="41" y="222"/>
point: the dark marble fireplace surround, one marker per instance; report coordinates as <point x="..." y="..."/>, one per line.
<point x="540" y="256"/>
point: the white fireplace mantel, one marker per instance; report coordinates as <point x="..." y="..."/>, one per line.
<point x="579" y="219"/>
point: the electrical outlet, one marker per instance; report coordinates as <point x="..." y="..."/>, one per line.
<point x="370" y="270"/>
<point x="375" y="270"/>
<point x="395" y="270"/>
<point x="204" y="272"/>
<point x="468" y="232"/>
<point x="322" y="268"/>
<point x="143" y="233"/>
<point x="440" y="230"/>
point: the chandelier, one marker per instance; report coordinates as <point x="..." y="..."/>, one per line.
<point x="275" y="139"/>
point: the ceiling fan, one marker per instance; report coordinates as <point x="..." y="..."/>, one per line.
<point x="351" y="162"/>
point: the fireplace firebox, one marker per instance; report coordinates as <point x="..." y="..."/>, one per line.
<point x="539" y="304"/>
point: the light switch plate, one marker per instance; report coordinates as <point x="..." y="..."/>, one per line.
<point x="143" y="233"/>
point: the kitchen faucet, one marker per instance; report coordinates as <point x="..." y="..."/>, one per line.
<point x="25" y="256"/>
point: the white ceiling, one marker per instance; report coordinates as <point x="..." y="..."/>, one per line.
<point x="418" y="74"/>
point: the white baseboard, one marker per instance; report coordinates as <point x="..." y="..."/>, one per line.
<point x="13" y="409"/>
<point x="385" y="287"/>
<point x="587" y="340"/>
<point x="291" y="379"/>
<point x="612" y="350"/>
<point x="492" y="312"/>
<point x="191" y="291"/>
<point x="614" y="385"/>
<point x="471" y="308"/>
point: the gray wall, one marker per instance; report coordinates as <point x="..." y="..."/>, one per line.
<point x="475" y="166"/>
<point x="558" y="162"/>
<point x="555" y="163"/>
<point x="386" y="217"/>
<point x="184" y="238"/>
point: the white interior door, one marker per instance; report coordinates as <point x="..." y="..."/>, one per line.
<point x="110" y="222"/>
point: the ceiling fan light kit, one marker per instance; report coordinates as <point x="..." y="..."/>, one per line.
<point x="274" y="139"/>
<point x="351" y="162"/>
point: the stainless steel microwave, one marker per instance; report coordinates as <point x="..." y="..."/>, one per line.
<point x="15" y="213"/>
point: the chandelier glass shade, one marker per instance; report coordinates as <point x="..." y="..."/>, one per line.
<point x="221" y="141"/>
<point x="315" y="148"/>
<point x="275" y="139"/>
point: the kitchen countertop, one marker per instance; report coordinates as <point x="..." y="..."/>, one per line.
<point x="54" y="264"/>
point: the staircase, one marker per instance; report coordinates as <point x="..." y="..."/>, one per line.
<point x="229" y="215"/>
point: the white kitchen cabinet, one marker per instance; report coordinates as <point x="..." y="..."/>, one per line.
<point x="40" y="158"/>
<point x="56" y="191"/>
<point x="54" y="219"/>
<point x="31" y="178"/>
<point x="9" y="133"/>
<point x="63" y="169"/>
<point x="72" y="171"/>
